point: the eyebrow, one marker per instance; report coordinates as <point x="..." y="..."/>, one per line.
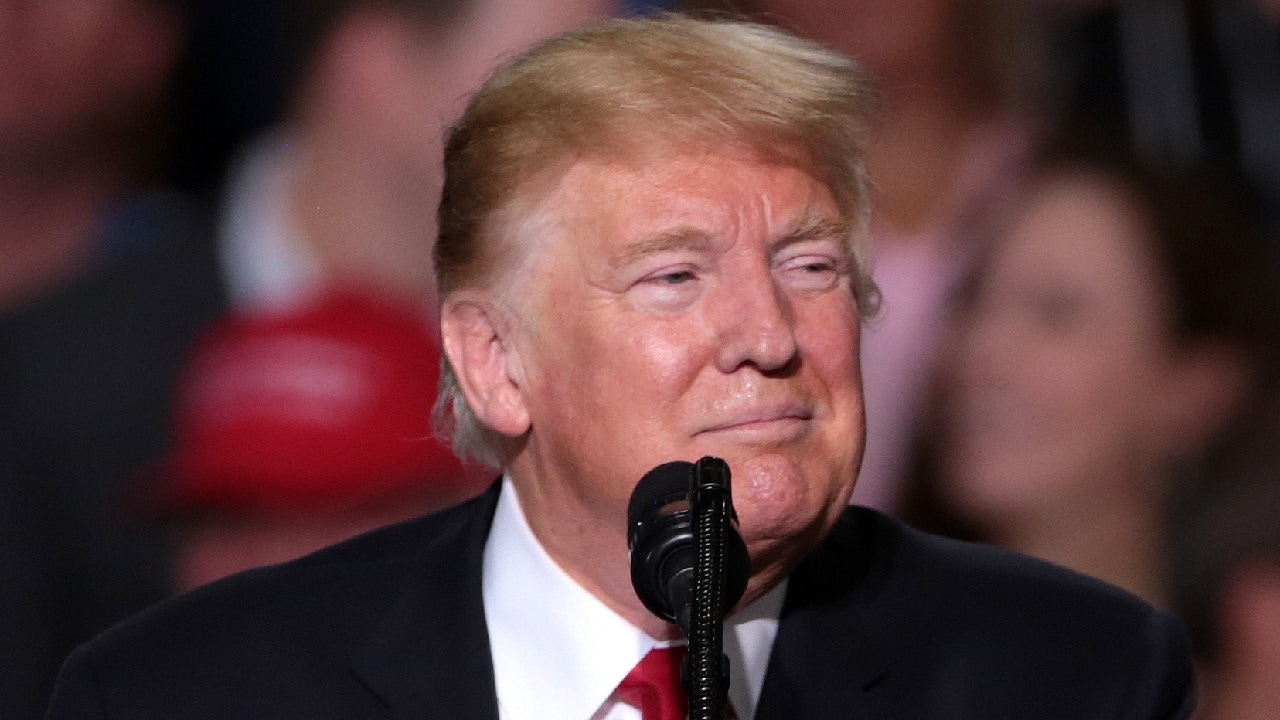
<point x="814" y="227"/>
<point x="684" y="237"/>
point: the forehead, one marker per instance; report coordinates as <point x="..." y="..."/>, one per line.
<point x="709" y="194"/>
<point x="1083" y="230"/>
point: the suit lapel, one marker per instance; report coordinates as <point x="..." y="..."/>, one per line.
<point x="429" y="656"/>
<point x="828" y="661"/>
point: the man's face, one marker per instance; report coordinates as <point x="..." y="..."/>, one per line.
<point x="74" y="73"/>
<point x="700" y="304"/>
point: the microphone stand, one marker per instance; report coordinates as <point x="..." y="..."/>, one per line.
<point x="705" y="673"/>
<point x="689" y="566"/>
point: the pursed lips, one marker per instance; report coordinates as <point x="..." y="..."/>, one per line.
<point x="780" y="419"/>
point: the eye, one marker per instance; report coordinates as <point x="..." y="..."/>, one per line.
<point x="812" y="271"/>
<point x="674" y="277"/>
<point x="669" y="288"/>
<point x="818" y="266"/>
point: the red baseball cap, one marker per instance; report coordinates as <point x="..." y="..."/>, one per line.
<point x="318" y="406"/>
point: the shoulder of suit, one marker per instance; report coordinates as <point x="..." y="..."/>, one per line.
<point x="977" y="579"/>
<point x="980" y="631"/>
<point x="322" y="603"/>
<point x="998" y="608"/>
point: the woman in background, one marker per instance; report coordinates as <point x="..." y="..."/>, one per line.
<point x="958" y="121"/>
<point x="1111" y="331"/>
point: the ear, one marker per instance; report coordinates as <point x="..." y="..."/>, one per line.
<point x="1206" y="384"/>
<point x="476" y="339"/>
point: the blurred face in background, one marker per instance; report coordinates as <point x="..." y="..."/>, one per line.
<point x="384" y="86"/>
<point x="896" y="38"/>
<point x="417" y="79"/>
<point x="73" y="72"/>
<point x="1062" y="360"/>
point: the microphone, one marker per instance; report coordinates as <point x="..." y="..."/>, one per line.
<point x="661" y="536"/>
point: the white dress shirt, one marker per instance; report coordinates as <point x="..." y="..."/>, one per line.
<point x="559" y="653"/>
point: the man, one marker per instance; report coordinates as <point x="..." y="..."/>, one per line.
<point x="344" y="197"/>
<point x="651" y="248"/>
<point x="342" y="192"/>
<point x="83" y="89"/>
<point x="82" y="101"/>
<point x="330" y="215"/>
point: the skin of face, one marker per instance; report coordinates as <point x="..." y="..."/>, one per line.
<point x="1063" y="361"/>
<point x="697" y="303"/>
<point x="74" y="73"/>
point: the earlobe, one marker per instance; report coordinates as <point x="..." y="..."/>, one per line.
<point x="476" y="339"/>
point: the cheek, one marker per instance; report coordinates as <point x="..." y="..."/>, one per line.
<point x="608" y="377"/>
<point x="798" y="491"/>
<point x="829" y="346"/>
<point x="831" y="353"/>
<point x="1048" y="425"/>
<point x="828" y="335"/>
<point x="1101" y="391"/>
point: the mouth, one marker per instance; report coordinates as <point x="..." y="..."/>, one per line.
<point x="762" y="424"/>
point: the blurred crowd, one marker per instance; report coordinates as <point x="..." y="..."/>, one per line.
<point x="217" y="347"/>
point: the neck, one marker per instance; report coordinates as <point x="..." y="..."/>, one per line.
<point x="1118" y="542"/>
<point x="590" y="551"/>
<point x="369" y="220"/>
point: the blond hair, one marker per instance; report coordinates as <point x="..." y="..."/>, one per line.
<point x="629" y="84"/>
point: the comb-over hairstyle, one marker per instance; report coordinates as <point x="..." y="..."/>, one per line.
<point x="623" y="88"/>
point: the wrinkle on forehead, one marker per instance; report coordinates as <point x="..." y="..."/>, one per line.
<point x="702" y="191"/>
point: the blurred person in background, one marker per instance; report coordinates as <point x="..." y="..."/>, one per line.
<point x="957" y="125"/>
<point x="343" y="191"/>
<point x="96" y="307"/>
<point x="1224" y="559"/>
<point x="291" y="432"/>
<point x="296" y="430"/>
<point x="1111" y="332"/>
<point x="342" y="203"/>
<point x="1181" y="81"/>
<point x="81" y="119"/>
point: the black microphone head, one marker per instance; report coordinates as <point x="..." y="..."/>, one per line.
<point x="661" y="486"/>
<point x="660" y="536"/>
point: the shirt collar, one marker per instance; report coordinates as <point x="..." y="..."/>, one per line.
<point x="559" y="652"/>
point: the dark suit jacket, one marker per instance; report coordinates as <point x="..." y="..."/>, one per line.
<point x="881" y="623"/>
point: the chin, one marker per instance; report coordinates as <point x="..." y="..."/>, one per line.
<point x="778" y="504"/>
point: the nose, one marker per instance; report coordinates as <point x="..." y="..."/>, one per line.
<point x="755" y="326"/>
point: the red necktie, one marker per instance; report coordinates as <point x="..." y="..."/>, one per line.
<point x="653" y="685"/>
